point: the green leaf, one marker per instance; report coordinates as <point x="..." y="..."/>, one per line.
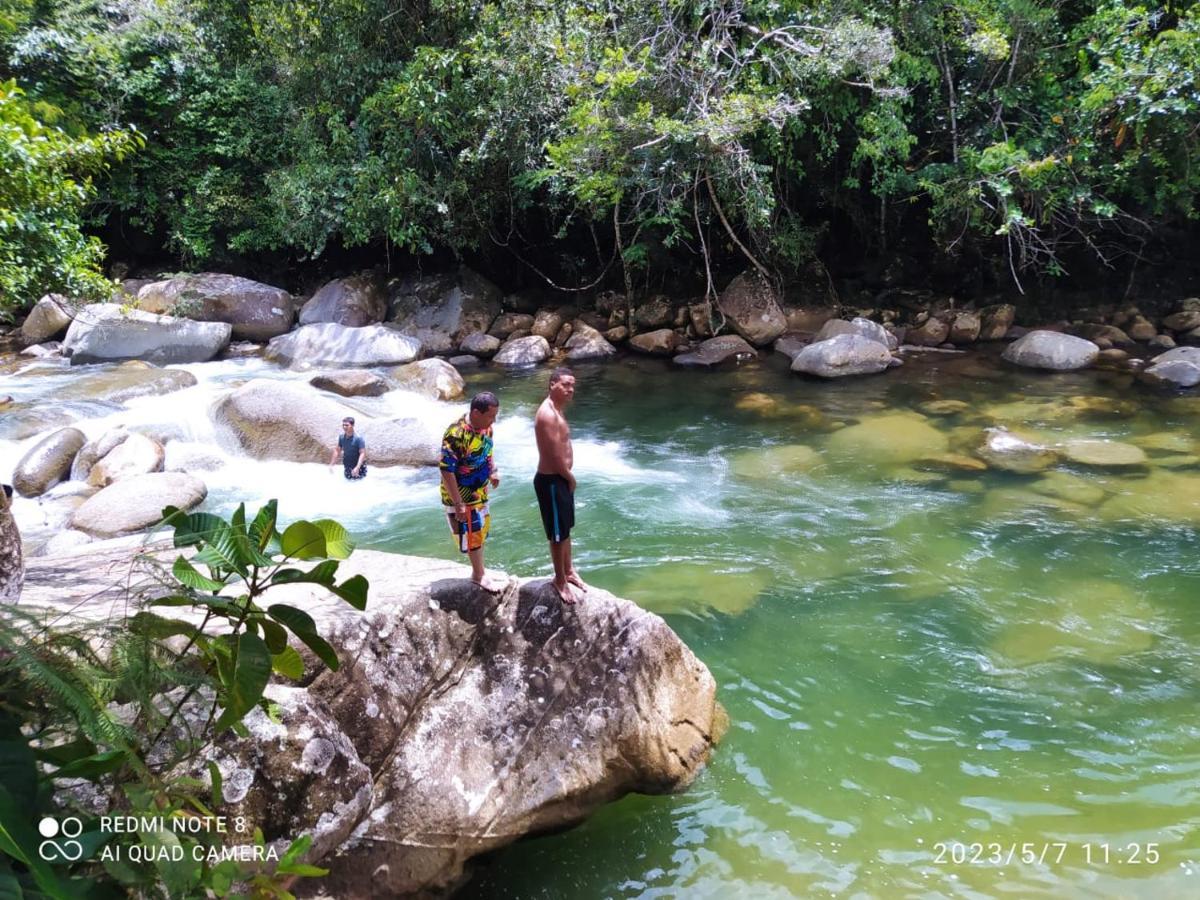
<point x="303" y="540"/>
<point x="353" y="590"/>
<point x="94" y="766"/>
<point x="288" y="663"/>
<point x="157" y="627"/>
<point x="251" y="672"/>
<point x="295" y="851"/>
<point x="193" y="528"/>
<point x="263" y="526"/>
<point x="20" y="841"/>
<point x="302" y="625"/>
<point x="190" y="577"/>
<point x="338" y="543"/>
<point x="217" y="784"/>
<point x="274" y="634"/>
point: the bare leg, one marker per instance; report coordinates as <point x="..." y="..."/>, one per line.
<point x="479" y="574"/>
<point x="572" y="575"/>
<point x="559" y="555"/>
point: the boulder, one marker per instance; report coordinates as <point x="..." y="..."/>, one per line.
<point x="255" y="311"/>
<point x="466" y="361"/>
<point x="477" y="343"/>
<point x="354" y="301"/>
<point x="21" y="420"/>
<point x="547" y="324"/>
<point x="1096" y="333"/>
<point x="104" y="332"/>
<point x="94" y="451"/>
<point x="1002" y="449"/>
<point x="333" y="345"/>
<point x="791" y="344"/>
<point x="47" y="462"/>
<point x="271" y="419"/>
<point x="191" y="456"/>
<point x="965" y="328"/>
<point x="892" y="438"/>
<point x="133" y="504"/>
<point x="12" y="559"/>
<point x="64" y="542"/>
<point x="134" y="378"/>
<point x="617" y="335"/>
<point x="136" y="455"/>
<point x="752" y="307"/>
<point x="860" y="326"/>
<point x="402" y="441"/>
<point x="443" y="309"/>
<point x="434" y="378"/>
<point x="1162" y="342"/>
<point x="700" y="315"/>
<point x="1176" y="368"/>
<point x="845" y="354"/>
<point x="930" y="333"/>
<point x="1186" y="320"/>
<point x="656" y="312"/>
<point x="1051" y="350"/>
<point x="808" y="319"/>
<point x="523" y="351"/>
<point x="1103" y="454"/>
<point x="715" y="351"/>
<point x="43" y="351"/>
<point x="49" y="318"/>
<point x="1141" y="329"/>
<point x="586" y="342"/>
<point x="351" y="383"/>
<point x="995" y="320"/>
<point x="656" y="343"/>
<point x="508" y="324"/>
<point x="568" y="329"/>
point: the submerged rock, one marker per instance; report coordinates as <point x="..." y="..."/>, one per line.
<point x="1051" y="350"/>
<point x="1103" y="454"/>
<point x="1162" y="496"/>
<point x="688" y="587"/>
<point x="774" y="463"/>
<point x="1003" y="449"/>
<point x="889" y="439"/>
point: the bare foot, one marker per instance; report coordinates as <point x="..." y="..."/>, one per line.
<point x="490" y="583"/>
<point x="565" y="592"/>
<point x="573" y="578"/>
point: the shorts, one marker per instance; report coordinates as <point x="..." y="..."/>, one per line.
<point x="471" y="534"/>
<point x="362" y="473"/>
<point x="557" y="504"/>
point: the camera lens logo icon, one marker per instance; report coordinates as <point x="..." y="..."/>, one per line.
<point x="60" y="845"/>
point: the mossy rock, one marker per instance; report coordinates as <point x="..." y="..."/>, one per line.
<point x="695" y="587"/>
<point x="1168" y="442"/>
<point x="772" y="463"/>
<point x="889" y="439"/>
<point x="1104" y="454"/>
<point x="1162" y="496"/>
<point x="944" y="408"/>
<point x="1069" y="487"/>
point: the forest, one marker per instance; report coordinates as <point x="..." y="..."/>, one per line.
<point x="627" y="144"/>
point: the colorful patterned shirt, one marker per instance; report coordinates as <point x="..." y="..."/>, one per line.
<point x="468" y="454"/>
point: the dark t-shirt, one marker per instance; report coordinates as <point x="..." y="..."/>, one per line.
<point x="352" y="448"/>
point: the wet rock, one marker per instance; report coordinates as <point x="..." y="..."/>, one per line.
<point x="43" y="351"/>
<point x="12" y="559"/>
<point x="333" y="345"/>
<point x="1111" y="357"/>
<point x="860" y="326"/>
<point x="1162" y="342"/>
<point x="700" y="315"/>
<point x="105" y="332"/>
<point x="442" y="310"/>
<point x="126" y="381"/>
<point x="791" y="344"/>
<point x="49" y="318"/>
<point x="355" y="301"/>
<point x="617" y="335"/>
<point x="694" y="588"/>
<point x="136" y="455"/>
<point x="523" y="351"/>
<point x="403" y="441"/>
<point x="254" y="311"/>
<point x="243" y="349"/>
<point x="662" y="342"/>
<point x="965" y="328"/>
<point x="478" y="343"/>
<point x="1141" y="329"/>
<point x="1012" y="452"/>
<point x="191" y="456"/>
<point x="944" y="407"/>
<point x="951" y="462"/>
<point x="564" y="333"/>
<point x="47" y="462"/>
<point x="774" y="463"/>
<point x="352" y="383"/>
<point x="930" y="333"/>
<point x="1177" y="368"/>
<point x="586" y="342"/>
<point x="995" y="321"/>
<point x="1162" y="496"/>
<point x="889" y="439"/>
<point x="656" y="312"/>
<point x="94" y="451"/>
<point x="846" y="354"/>
<point x="547" y="324"/>
<point x="1051" y="350"/>
<point x="715" y="351"/>
<point x="270" y="419"/>
<point x="1186" y="320"/>
<point x="752" y="307"/>
<point x="464" y="362"/>
<point x="1067" y="486"/>
<point x="1168" y="441"/>
<point x="1103" y="454"/>
<point x="808" y="319"/>
<point x="507" y="324"/>
<point x="434" y="378"/>
<point x="133" y="504"/>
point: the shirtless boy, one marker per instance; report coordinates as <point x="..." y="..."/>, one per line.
<point x="554" y="483"/>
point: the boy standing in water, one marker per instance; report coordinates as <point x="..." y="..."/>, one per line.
<point x="353" y="451"/>
<point x="467" y="472"/>
<point x="554" y="484"/>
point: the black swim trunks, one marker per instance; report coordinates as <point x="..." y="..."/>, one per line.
<point x="362" y="473"/>
<point x="557" y="504"/>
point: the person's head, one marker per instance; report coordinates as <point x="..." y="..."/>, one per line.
<point x="562" y="385"/>
<point x="484" y="409"/>
<point x="348" y="425"/>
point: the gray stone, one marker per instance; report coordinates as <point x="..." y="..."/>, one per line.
<point x="995" y="321"/>
<point x="547" y="324"/>
<point x="586" y="343"/>
<point x="715" y="351"/>
<point x="333" y="345"/>
<point x="94" y="451"/>
<point x="191" y="456"/>
<point x="965" y="328"/>
<point x="864" y="327"/>
<point x="402" y="442"/>
<point x="523" y="351"/>
<point x="477" y="343"/>
<point x="136" y="503"/>
<point x="508" y="324"/>
<point x="434" y="378"/>
<point x="351" y="383"/>
<point x="930" y="333"/>
<point x="1175" y="368"/>
<point x="136" y="455"/>
<point x="752" y="307"/>
<point x="791" y="344"/>
<point x="354" y="301"/>
<point x="43" y="351"/>
<point x="842" y="355"/>
<point x="12" y="558"/>
<point x="1182" y="321"/>
<point x="271" y="419"/>
<point x="131" y="379"/>
<point x="662" y="342"/>
<point x="464" y="362"/>
<point x="444" y="309"/>
<point x="1051" y="350"/>
<point x="104" y="332"/>
<point x="49" y="318"/>
<point x="809" y="319"/>
<point x="47" y="462"/>
<point x="656" y="312"/>
<point x="255" y="311"/>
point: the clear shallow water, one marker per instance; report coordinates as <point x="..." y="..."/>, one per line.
<point x="909" y="658"/>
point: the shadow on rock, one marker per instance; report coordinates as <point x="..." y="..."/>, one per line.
<point x="464" y="598"/>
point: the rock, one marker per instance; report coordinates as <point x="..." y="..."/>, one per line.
<point x="94" y="451"/>
<point x="889" y="439"/>
<point x="12" y="559"/>
<point x="47" y="462"/>
<point x="1183" y="321"/>
<point x="1112" y="357"/>
<point x="846" y="354"/>
<point x="191" y="456"/>
<point x="49" y="318"/>
<point x="507" y="324"/>
<point x="657" y="312"/>
<point x="1162" y="342"/>
<point x="956" y="463"/>
<point x="524" y="351"/>
<point x="1141" y="329"/>
<point x="1162" y="496"/>
<point x="464" y="362"/>
<point x="791" y="344"/>
<point x="1096" y="333"/>
<point x="1191" y="338"/>
<point x="715" y="351"/>
<point x="944" y="407"/>
<point x="479" y="344"/>
<point x="1175" y="368"/>
<point x="965" y="328"/>
<point x="20" y="421"/>
<point x="774" y="463"/>
<point x="65" y="542"/>
<point x="701" y="317"/>
<point x="617" y="335"/>
<point x="243" y="349"/>
<point x="43" y="351"/>
<point x="995" y="321"/>
<point x="860" y="326"/>
<point x="104" y="332"/>
<point x="662" y="342"/>
<point x="333" y="345"/>
<point x="402" y="442"/>
<point x="588" y="343"/>
<point x="1103" y="454"/>
<point x="1003" y="449"/>
<point x="255" y="311"/>
<point x="354" y="301"/>
<point x="547" y="324"/>
<point x="352" y="383"/>
<point x="809" y="319"/>
<point x="271" y="419"/>
<point x="126" y="381"/>
<point x="443" y="309"/>
<point x="1051" y="350"/>
<point x="133" y="504"/>
<point x="1067" y="486"/>
<point x="136" y="455"/>
<point x="433" y="378"/>
<point x="930" y="333"/>
<point x="752" y="307"/>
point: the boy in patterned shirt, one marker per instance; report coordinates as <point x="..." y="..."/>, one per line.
<point x="468" y="471"/>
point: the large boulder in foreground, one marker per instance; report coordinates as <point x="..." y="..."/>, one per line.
<point x="752" y="307"/>
<point x="255" y="311"/>
<point x="12" y="562"/>
<point x="270" y="419"/>
<point x="478" y="718"/>
<point x="355" y="301"/>
<point x="105" y="332"/>
<point x="845" y="354"/>
<point x="441" y="310"/>
<point x="136" y="503"/>
<point x="331" y="345"/>
<point x="1176" y="368"/>
<point x="47" y="462"/>
<point x="1051" y="350"/>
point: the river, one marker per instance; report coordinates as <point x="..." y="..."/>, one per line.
<point x="940" y="681"/>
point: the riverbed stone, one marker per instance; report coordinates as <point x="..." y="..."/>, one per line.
<point x="547" y="323"/>
<point x="944" y="408"/>
<point x="1168" y="442"/>
<point x="843" y="355"/>
<point x="1051" y="350"/>
<point x="49" y="318"/>
<point x="791" y="344"/>
<point x="808" y="319"/>
<point x="106" y="332"/>
<point x="695" y="589"/>
<point x="930" y="333"/>
<point x="479" y="343"/>
<point x="465" y="361"/>
<point x="1068" y="486"/>
<point x="892" y="438"/>
<point x="253" y="310"/>
<point x="136" y="455"/>
<point x="94" y="451"/>
<point x="662" y="342"/>
<point x="1103" y="454"/>
<point x="47" y="462"/>
<point x="1141" y="329"/>
<point x="1185" y="320"/>
<point x="860" y="326"/>
<point x="1015" y="452"/>
<point x="354" y="301"/>
<point x="443" y="309"/>
<point x="43" y="351"/>
<point x="509" y="323"/>
<point x="191" y="456"/>
<point x="21" y="420"/>
<point x="752" y="308"/>
<point x="433" y="378"/>
<point x="12" y="557"/>
<point x="774" y="463"/>
<point x="351" y="383"/>
<point x="1097" y="332"/>
<point x="995" y="321"/>
<point x="270" y="419"/>
<point x="716" y="351"/>
<point x="134" y="378"/>
<point x="331" y="345"/>
<point x="587" y="343"/>
<point x="964" y="328"/>
<point x="1179" y="367"/>
<point x="402" y="441"/>
<point x="133" y="504"/>
<point x="523" y="351"/>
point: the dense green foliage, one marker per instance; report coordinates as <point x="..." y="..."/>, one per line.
<point x="133" y="706"/>
<point x="587" y="138"/>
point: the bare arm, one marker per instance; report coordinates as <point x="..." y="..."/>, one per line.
<point x="337" y="451"/>
<point x="362" y="459"/>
